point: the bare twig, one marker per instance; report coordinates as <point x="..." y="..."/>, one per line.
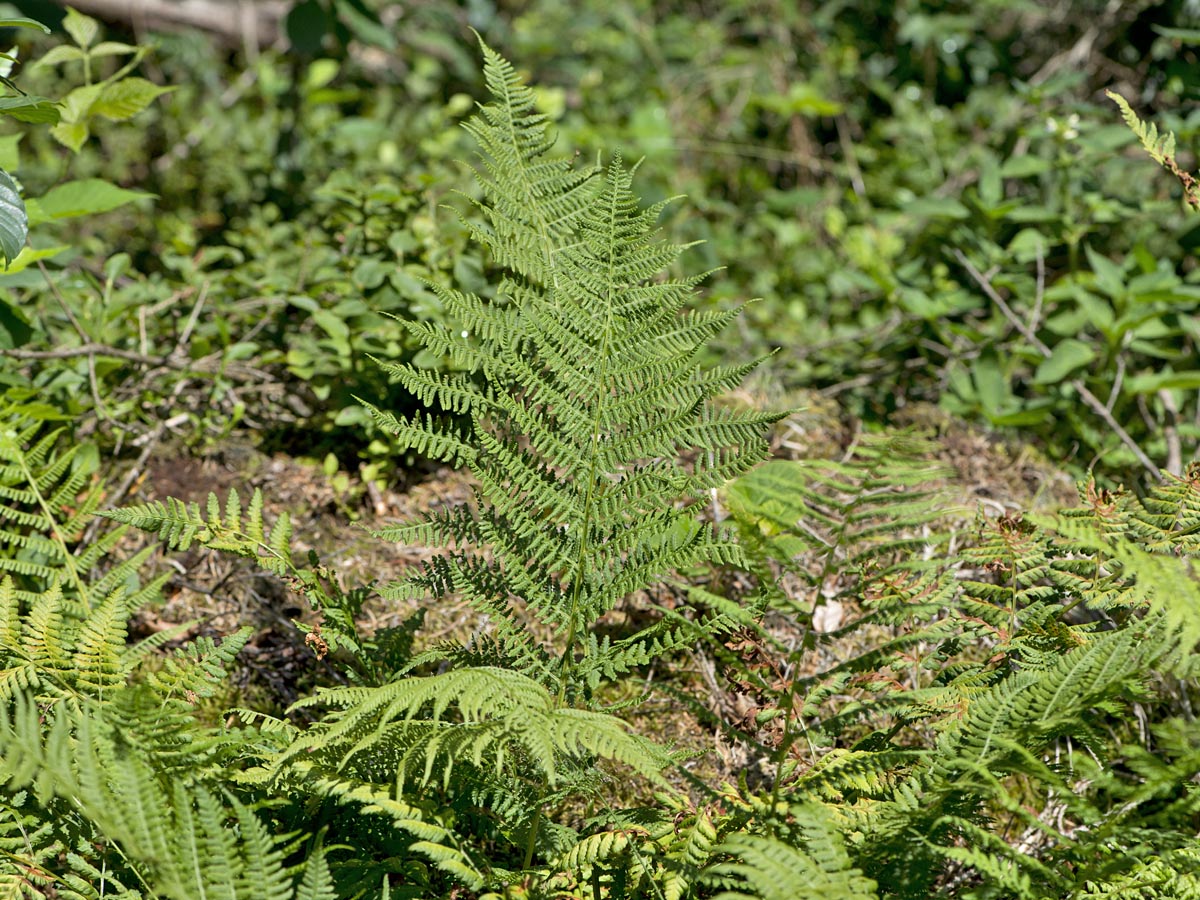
<point x="232" y="23"/>
<point x="1080" y="388"/>
<point x="1116" y="385"/>
<point x="847" y="145"/>
<point x="1040" y="296"/>
<point x="89" y="349"/>
<point x="83" y="335"/>
<point x="190" y="325"/>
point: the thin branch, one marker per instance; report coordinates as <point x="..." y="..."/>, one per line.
<point x="1086" y="395"/>
<point x="1040" y="296"/>
<point x="89" y="349"/>
<point x="1118" y="380"/>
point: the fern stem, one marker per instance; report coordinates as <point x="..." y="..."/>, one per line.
<point x="55" y="534"/>
<point x="534" y="825"/>
<point x="602" y="356"/>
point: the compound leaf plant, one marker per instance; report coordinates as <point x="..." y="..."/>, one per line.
<point x="978" y="746"/>
<point x="577" y="402"/>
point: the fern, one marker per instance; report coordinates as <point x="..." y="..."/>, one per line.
<point x="1160" y="147"/>
<point x="176" y="838"/>
<point x="245" y="532"/>
<point x="814" y="864"/>
<point x="589" y="400"/>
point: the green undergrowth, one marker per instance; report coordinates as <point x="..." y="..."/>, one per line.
<point x="915" y="711"/>
<point x="921" y="195"/>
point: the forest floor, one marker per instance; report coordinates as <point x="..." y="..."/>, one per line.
<point x="219" y="594"/>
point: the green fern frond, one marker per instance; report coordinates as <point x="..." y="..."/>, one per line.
<point x="176" y="838"/>
<point x="870" y="514"/>
<point x="45" y="501"/>
<point x="591" y="398"/>
<point x="200" y="666"/>
<point x="1160" y="147"/>
<point x="428" y="838"/>
<point x="771" y="869"/>
<point x="423" y="728"/>
<point x="317" y="883"/>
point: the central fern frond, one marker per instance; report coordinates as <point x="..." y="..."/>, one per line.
<point x="590" y="417"/>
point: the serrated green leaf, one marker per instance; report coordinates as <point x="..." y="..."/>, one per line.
<point x="1067" y="356"/>
<point x="14" y="223"/>
<point x="82" y="29"/>
<point x="58" y="55"/>
<point x="71" y="134"/>
<point x="85" y="198"/>
<point x="26" y="108"/>
<point x="28" y="256"/>
<point x="127" y="98"/>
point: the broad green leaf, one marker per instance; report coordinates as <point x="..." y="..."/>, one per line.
<point x="1027" y="414"/>
<point x="28" y="256"/>
<point x="77" y="105"/>
<point x="1067" y="356"/>
<point x="364" y="25"/>
<point x="1183" y="35"/>
<point x="127" y="98"/>
<point x="112" y="48"/>
<point x="1033" y="213"/>
<point x="801" y="98"/>
<point x="26" y="108"/>
<point x="84" y="198"/>
<point x="14" y="223"/>
<point x="332" y="325"/>
<point x="71" y="134"/>
<point x="55" y="56"/>
<point x="991" y="384"/>
<point x="1109" y="277"/>
<point x="1028" y="244"/>
<point x="82" y="29"/>
<point x="937" y="208"/>
<point x="10" y="152"/>
<point x="1025" y="166"/>
<point x="1099" y="313"/>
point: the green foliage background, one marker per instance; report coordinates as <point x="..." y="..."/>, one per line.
<point x="838" y="158"/>
<point x="939" y="216"/>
